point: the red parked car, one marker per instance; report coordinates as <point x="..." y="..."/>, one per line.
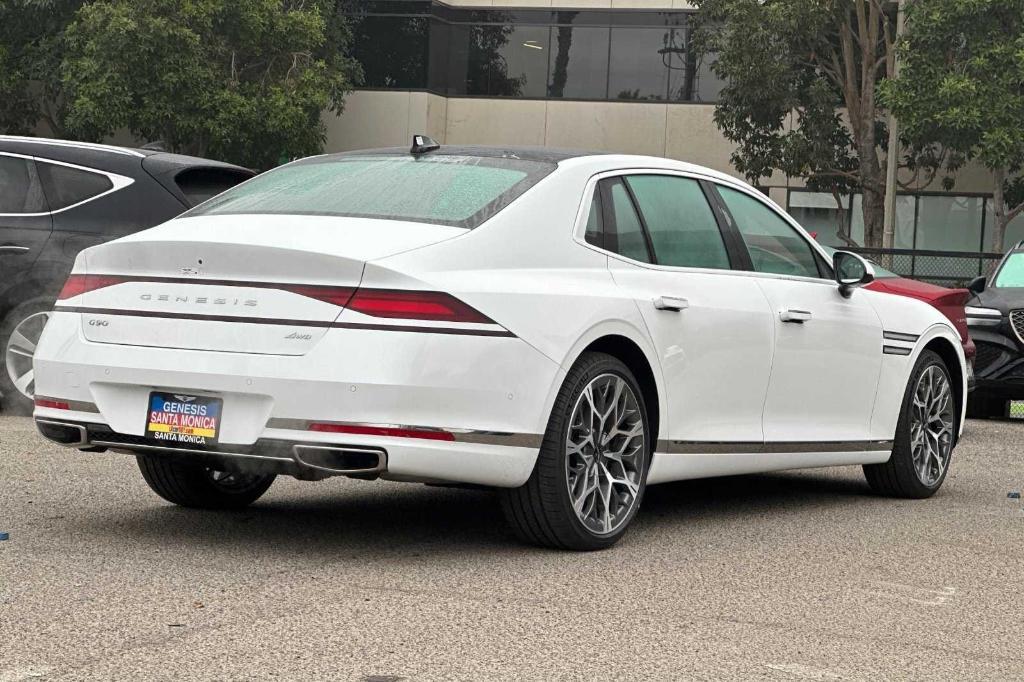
<point x="949" y="302"/>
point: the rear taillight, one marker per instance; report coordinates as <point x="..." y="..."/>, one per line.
<point x="81" y="284"/>
<point x="392" y="431"/>
<point x="338" y="296"/>
<point x="54" y="404"/>
<point x="415" y="305"/>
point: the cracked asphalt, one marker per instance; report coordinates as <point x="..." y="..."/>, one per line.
<point x="801" y="575"/>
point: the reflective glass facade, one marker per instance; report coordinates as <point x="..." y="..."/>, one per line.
<point x="934" y="222"/>
<point x="530" y="54"/>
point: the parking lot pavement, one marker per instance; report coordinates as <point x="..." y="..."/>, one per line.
<point x="799" y="575"/>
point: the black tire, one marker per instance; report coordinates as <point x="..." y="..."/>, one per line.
<point x="194" y="485"/>
<point x="540" y="511"/>
<point x="985" y="406"/>
<point x="14" y="401"/>
<point x="898" y="477"/>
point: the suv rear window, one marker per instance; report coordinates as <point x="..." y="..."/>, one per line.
<point x="200" y="184"/>
<point x="462" y="191"/>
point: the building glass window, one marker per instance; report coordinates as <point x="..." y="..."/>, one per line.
<point x="906" y="208"/>
<point x="530" y="53"/>
<point x="392" y="50"/>
<point x="637" y="69"/>
<point x="949" y="223"/>
<point x="579" y="62"/>
<point x="1014" y="231"/>
<point x="819" y="214"/>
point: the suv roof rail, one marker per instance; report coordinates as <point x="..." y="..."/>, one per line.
<point x="72" y="143"/>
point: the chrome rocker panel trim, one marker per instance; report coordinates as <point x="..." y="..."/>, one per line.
<point x="753" y="448"/>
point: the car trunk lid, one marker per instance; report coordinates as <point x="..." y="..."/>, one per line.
<point x="251" y="284"/>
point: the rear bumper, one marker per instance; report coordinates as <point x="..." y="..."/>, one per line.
<point x="491" y="394"/>
<point x="302" y="460"/>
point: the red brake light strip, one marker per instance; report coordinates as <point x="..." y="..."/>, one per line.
<point x="405" y="304"/>
<point x="393" y="431"/>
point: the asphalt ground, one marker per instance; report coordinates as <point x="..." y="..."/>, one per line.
<point x="801" y="575"/>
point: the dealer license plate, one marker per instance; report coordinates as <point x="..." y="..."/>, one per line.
<point x="183" y="420"/>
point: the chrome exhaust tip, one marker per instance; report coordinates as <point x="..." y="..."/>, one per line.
<point x="70" y="435"/>
<point x="346" y="460"/>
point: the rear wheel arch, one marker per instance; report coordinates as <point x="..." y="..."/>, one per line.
<point x="632" y="355"/>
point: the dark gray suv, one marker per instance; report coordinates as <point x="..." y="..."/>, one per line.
<point x="59" y="197"/>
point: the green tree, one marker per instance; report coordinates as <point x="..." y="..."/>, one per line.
<point x="31" y="50"/>
<point x="819" y="62"/>
<point x="245" y="80"/>
<point x="961" y="85"/>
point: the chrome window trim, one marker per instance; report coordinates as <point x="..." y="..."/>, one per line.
<point x="117" y="182"/>
<point x="580" y="227"/>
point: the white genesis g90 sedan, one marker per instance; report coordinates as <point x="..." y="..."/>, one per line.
<point x="565" y="327"/>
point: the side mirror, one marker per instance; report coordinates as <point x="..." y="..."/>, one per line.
<point x="852" y="271"/>
<point x="977" y="285"/>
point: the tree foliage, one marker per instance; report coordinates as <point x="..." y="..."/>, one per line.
<point x="961" y="85"/>
<point x="819" y="62"/>
<point x="31" y="50"/>
<point x="244" y="80"/>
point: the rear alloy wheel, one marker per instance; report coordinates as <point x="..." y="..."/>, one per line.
<point x="925" y="435"/>
<point x="19" y="336"/>
<point x="591" y="473"/>
<point x="202" y="487"/>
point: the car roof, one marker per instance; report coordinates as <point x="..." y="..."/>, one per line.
<point x="525" y="153"/>
<point x="601" y="160"/>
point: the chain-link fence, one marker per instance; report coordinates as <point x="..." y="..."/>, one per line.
<point x="945" y="268"/>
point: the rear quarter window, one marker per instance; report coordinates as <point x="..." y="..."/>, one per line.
<point x="462" y="191"/>
<point x="66" y="186"/>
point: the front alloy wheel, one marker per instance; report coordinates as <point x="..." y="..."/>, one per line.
<point x="925" y="434"/>
<point x="931" y="426"/>
<point x="591" y="471"/>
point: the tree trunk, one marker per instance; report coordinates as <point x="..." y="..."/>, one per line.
<point x="998" y="210"/>
<point x="872" y="182"/>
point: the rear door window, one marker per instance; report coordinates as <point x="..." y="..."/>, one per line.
<point x="683" y="229"/>
<point x="20" y="188"/>
<point x="66" y="186"/>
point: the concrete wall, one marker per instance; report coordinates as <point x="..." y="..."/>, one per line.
<point x="680" y="131"/>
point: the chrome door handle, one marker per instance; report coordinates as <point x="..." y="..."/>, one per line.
<point x="11" y="248"/>
<point x="674" y="303"/>
<point x="798" y="316"/>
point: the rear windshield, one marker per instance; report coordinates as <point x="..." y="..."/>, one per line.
<point x="462" y="191"/>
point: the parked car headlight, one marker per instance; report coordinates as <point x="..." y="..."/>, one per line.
<point x="983" y="317"/>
